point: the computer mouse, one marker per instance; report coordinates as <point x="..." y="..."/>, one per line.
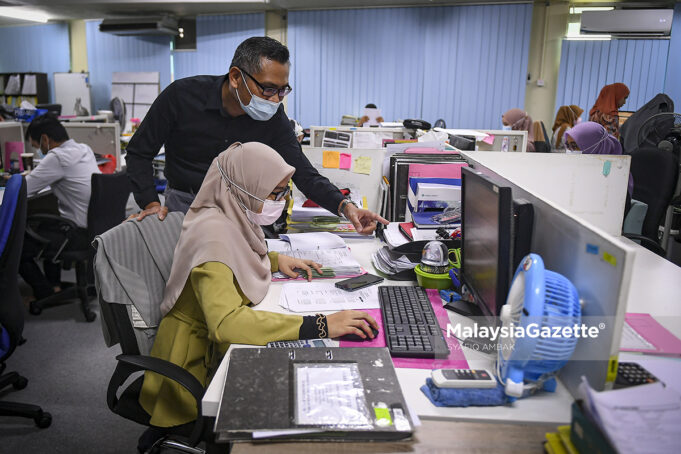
<point x="357" y="338"/>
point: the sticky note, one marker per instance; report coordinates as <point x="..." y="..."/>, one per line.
<point x="489" y="139"/>
<point x="610" y="259"/>
<point x="591" y="249"/>
<point x="331" y="159"/>
<point x="362" y="165"/>
<point x="345" y="161"/>
<point x="606" y="168"/>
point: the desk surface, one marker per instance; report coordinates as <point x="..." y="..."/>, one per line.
<point x="553" y="408"/>
<point x="431" y="437"/>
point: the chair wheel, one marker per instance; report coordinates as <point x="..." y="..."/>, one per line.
<point x="90" y="316"/>
<point x="35" y="309"/>
<point x="21" y="383"/>
<point x="43" y="420"/>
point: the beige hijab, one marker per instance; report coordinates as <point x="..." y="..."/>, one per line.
<point x="216" y="228"/>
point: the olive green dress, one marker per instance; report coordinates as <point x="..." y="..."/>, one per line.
<point x="210" y="314"/>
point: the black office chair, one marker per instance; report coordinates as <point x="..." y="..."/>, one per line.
<point x="542" y="143"/>
<point x="440" y="123"/>
<point x="655" y="175"/>
<point x="12" y="225"/>
<point x="106" y="210"/>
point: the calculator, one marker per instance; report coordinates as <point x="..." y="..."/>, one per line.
<point x="303" y="343"/>
<point x="632" y="374"/>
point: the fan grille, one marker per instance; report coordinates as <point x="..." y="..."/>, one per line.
<point x="561" y="309"/>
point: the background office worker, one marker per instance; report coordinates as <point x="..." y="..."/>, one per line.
<point x="67" y="168"/>
<point x="198" y="117"/>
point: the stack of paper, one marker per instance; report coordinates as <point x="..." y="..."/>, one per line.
<point x="318" y="219"/>
<point x="324" y="296"/>
<point x="639" y="419"/>
<point x="388" y="262"/>
<point x="339" y="261"/>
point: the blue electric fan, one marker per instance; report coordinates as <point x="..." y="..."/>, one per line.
<point x="539" y="305"/>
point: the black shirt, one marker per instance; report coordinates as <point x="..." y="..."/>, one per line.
<point x="188" y="118"/>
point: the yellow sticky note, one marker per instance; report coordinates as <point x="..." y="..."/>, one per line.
<point x="610" y="259"/>
<point x="362" y="165"/>
<point x="331" y="159"/>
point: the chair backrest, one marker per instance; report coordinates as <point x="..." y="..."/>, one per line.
<point x="132" y="266"/>
<point x="440" y="123"/>
<point x="12" y="227"/>
<point x="655" y="175"/>
<point x="109" y="196"/>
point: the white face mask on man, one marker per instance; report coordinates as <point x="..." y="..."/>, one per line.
<point x="271" y="209"/>
<point x="258" y="109"/>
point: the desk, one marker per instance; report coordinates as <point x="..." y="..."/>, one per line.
<point x="431" y="437"/>
<point x="549" y="408"/>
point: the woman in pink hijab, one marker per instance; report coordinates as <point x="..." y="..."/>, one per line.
<point x="519" y="120"/>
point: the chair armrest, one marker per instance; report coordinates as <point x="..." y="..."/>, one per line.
<point x="647" y="243"/>
<point x="32" y="233"/>
<point x="52" y="218"/>
<point x="129" y="364"/>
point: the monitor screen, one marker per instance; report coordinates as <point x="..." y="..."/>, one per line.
<point x="486" y="240"/>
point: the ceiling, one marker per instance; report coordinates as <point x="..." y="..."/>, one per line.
<point x="59" y="10"/>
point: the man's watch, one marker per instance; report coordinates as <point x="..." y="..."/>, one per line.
<point x="343" y="204"/>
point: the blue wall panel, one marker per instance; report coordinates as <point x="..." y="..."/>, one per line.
<point x="673" y="76"/>
<point x="109" y="53"/>
<point x="476" y="63"/>
<point x="36" y="48"/>
<point x="586" y="66"/>
<point x="216" y="39"/>
<point x="426" y="63"/>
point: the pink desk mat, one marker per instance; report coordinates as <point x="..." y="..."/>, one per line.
<point x="456" y="360"/>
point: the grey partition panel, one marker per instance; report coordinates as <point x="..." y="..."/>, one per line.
<point x="598" y="265"/>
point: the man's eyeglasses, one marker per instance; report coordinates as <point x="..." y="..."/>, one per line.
<point x="270" y="91"/>
<point x="280" y="195"/>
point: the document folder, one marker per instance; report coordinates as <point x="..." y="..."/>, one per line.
<point x="341" y="394"/>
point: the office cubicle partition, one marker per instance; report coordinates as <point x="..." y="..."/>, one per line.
<point x="600" y="267"/>
<point x="103" y="138"/>
<point x="360" y="137"/>
<point x="592" y="187"/>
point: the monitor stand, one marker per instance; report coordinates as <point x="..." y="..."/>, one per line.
<point x="472" y="310"/>
<point x="464" y="308"/>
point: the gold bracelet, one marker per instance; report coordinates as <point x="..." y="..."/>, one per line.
<point x="321" y="326"/>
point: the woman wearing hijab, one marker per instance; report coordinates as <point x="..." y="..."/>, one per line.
<point x="221" y="268"/>
<point x="519" y="120"/>
<point x="566" y="118"/>
<point x="606" y="110"/>
<point x="591" y="138"/>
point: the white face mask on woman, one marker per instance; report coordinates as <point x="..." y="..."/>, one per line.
<point x="271" y="209"/>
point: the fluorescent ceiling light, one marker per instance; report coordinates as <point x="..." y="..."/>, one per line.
<point x="23" y="14"/>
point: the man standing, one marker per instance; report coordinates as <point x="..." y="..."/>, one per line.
<point x="198" y="117"/>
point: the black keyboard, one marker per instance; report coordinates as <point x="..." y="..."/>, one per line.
<point x="409" y="323"/>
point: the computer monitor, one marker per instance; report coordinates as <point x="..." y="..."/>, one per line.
<point x="486" y="246"/>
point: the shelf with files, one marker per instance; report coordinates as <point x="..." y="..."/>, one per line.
<point x="30" y="86"/>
